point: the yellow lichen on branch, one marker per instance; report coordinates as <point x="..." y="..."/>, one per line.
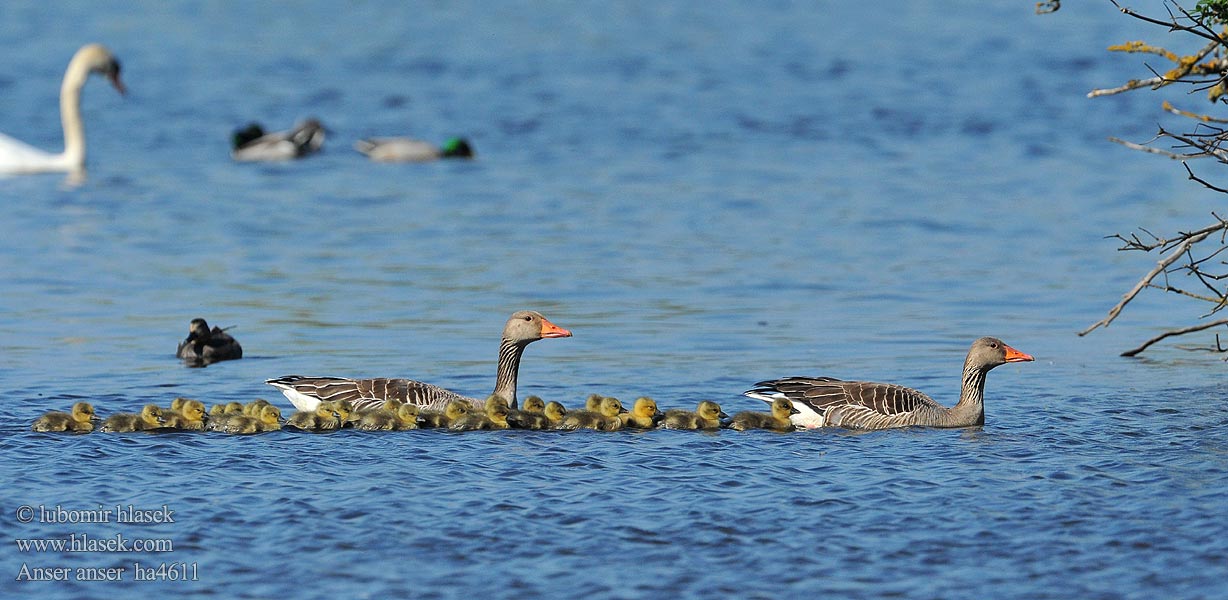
<point x="1141" y="46"/>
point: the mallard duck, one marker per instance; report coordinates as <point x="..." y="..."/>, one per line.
<point x="707" y="415"/>
<point x="150" y="417"/>
<point x="306" y="138"/>
<point x="494" y="417"/>
<point x="453" y="411"/>
<point x="190" y="416"/>
<point x="205" y="346"/>
<point x="323" y="418"/>
<point x="399" y="149"/>
<point x="81" y="419"/>
<point x="777" y="420"/>
<point x="644" y="414"/>
<point x="605" y="420"/>
<point x="17" y="157"/>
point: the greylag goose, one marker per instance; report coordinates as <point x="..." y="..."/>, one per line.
<point x="410" y="150"/>
<point x="306" y="138"/>
<point x="149" y="418"/>
<point x="824" y="401"/>
<point x="777" y="420"/>
<point x="17" y="157"/>
<point x="81" y="419"/>
<point x="205" y="346"/>
<point x="707" y="415"/>
<point x="644" y="414"/>
<point x="522" y="328"/>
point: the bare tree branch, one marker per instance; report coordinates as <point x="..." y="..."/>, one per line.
<point x="1159" y="268"/>
<point x="1181" y="331"/>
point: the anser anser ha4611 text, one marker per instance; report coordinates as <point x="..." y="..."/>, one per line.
<point x="523" y="328"/>
<point x="824" y="401"/>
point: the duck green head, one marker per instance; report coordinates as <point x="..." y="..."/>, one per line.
<point x="246" y="134"/>
<point x="457" y="148"/>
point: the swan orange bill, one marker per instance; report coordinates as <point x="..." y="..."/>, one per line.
<point x="1013" y="355"/>
<point x="550" y="330"/>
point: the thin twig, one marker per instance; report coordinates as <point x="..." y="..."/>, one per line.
<point x="1159" y="268"/>
<point x="1181" y="331"/>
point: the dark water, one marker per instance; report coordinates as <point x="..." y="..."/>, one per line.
<point x="706" y="198"/>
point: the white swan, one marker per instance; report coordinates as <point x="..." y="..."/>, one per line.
<point x="17" y="157"/>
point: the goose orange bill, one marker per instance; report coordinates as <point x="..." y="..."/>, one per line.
<point x="1013" y="355"/>
<point x="550" y="330"/>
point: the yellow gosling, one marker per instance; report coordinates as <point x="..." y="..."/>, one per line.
<point x="81" y="419"/>
<point x="454" y="410"/>
<point x="605" y="420"/>
<point x="494" y="417"/>
<point x="322" y="418"/>
<point x="149" y="418"/>
<point x="644" y="414"/>
<point x="555" y="412"/>
<point x="777" y="420"/>
<point x="189" y="417"/>
<point x="707" y="415"/>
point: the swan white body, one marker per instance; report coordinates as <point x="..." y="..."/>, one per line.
<point x="19" y="158"/>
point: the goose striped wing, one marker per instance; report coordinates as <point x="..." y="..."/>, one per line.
<point x="362" y="393"/>
<point x="848" y="403"/>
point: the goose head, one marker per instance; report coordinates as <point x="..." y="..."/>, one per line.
<point x="527" y="326"/>
<point x="989" y="352"/>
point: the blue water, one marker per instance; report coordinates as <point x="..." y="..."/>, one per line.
<point x="706" y="198"/>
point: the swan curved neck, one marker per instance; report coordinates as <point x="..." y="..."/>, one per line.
<point x="509" y="367"/>
<point x="70" y="113"/>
